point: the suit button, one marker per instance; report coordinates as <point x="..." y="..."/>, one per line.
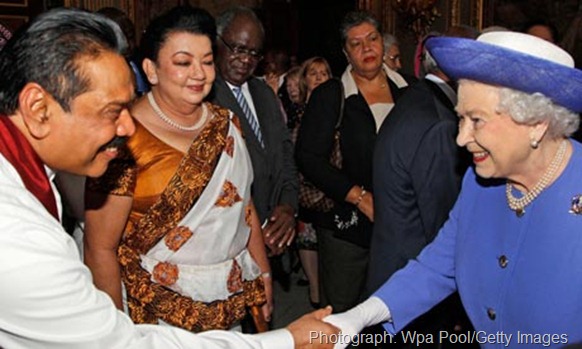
<point x="503" y="261"/>
<point x="491" y="313"/>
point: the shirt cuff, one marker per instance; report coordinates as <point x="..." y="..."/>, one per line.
<point x="281" y="339"/>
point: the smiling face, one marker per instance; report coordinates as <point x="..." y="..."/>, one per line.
<point x="184" y="71"/>
<point x="500" y="147"/>
<point x="78" y="141"/>
<point x="364" y="49"/>
<point x="243" y="34"/>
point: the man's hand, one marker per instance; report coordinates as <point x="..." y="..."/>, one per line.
<point x="310" y="332"/>
<point x="280" y="229"/>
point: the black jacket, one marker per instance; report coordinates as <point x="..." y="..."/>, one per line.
<point x="357" y="141"/>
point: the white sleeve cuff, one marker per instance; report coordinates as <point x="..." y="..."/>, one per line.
<point x="275" y="339"/>
<point x="374" y="311"/>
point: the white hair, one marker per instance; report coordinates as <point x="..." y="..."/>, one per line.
<point x="389" y="40"/>
<point x="528" y="109"/>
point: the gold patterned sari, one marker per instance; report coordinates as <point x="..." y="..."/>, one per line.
<point x="183" y="255"/>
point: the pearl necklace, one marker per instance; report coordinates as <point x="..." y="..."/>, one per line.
<point x="174" y="124"/>
<point x="518" y="205"/>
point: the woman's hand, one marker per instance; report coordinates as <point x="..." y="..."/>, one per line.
<point x="366" y="206"/>
<point x="267" y="308"/>
<point x="363" y="200"/>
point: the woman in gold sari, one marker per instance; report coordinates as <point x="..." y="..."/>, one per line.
<point x="174" y="219"/>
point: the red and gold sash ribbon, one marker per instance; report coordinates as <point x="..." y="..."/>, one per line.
<point x="18" y="151"/>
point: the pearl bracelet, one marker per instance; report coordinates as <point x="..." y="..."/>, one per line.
<point x="265" y="275"/>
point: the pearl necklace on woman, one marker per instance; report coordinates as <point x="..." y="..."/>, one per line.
<point x="518" y="205"/>
<point x="174" y="124"/>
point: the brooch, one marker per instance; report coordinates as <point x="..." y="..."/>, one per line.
<point x="576" y="207"/>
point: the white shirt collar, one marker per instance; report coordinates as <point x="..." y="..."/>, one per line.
<point x="447" y="90"/>
<point x="244" y="87"/>
<point x="351" y="88"/>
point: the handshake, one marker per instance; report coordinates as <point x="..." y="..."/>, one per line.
<point x="311" y="331"/>
<point x="320" y="329"/>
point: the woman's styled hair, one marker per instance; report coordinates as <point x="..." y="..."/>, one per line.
<point x="528" y="109"/>
<point x="355" y="18"/>
<point x="180" y="19"/>
<point x="51" y="50"/>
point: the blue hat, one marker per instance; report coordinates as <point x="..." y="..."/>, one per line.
<point x="519" y="61"/>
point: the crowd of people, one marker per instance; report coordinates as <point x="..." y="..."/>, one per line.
<point x="446" y="202"/>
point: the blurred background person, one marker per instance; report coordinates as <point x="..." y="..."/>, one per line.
<point x="314" y="71"/>
<point x="134" y="60"/>
<point x="367" y="96"/>
<point x="392" y="52"/>
<point x="275" y="65"/>
<point x="542" y="29"/>
<point x="294" y="98"/>
<point x="174" y="218"/>
<point x="393" y="60"/>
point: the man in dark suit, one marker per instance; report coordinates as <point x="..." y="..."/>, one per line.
<point x="416" y="179"/>
<point x="275" y="186"/>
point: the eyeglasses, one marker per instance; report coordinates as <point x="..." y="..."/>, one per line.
<point x="394" y="58"/>
<point x="238" y="51"/>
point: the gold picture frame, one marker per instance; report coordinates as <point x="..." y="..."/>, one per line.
<point x="13" y="22"/>
<point x="14" y="3"/>
<point x="467" y="12"/>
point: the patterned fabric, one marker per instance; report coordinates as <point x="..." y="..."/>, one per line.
<point x="183" y="255"/>
<point x="240" y="98"/>
<point x="306" y="236"/>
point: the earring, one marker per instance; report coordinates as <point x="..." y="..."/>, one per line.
<point x="534" y="144"/>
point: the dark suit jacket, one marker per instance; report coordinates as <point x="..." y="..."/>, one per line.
<point x="275" y="175"/>
<point x="417" y="175"/>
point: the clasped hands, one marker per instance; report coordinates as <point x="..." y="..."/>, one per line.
<point x="321" y="330"/>
<point x="279" y="229"/>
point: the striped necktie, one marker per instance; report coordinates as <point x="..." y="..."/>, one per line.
<point x="253" y="122"/>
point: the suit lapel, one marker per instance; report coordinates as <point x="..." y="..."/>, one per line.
<point x="226" y="98"/>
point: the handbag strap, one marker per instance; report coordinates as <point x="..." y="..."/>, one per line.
<point x="341" y="108"/>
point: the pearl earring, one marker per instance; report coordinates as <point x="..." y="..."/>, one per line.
<point x="534" y="144"/>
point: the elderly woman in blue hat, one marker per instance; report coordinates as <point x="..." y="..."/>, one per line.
<point x="512" y="246"/>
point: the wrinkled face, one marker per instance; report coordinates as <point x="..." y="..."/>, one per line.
<point x="184" y="71"/>
<point x="79" y="141"/>
<point x="292" y="86"/>
<point x="364" y="49"/>
<point x="500" y="147"/>
<point x="239" y="50"/>
<point x="392" y="58"/>
<point x="315" y="75"/>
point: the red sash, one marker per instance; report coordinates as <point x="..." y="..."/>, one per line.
<point x="16" y="149"/>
